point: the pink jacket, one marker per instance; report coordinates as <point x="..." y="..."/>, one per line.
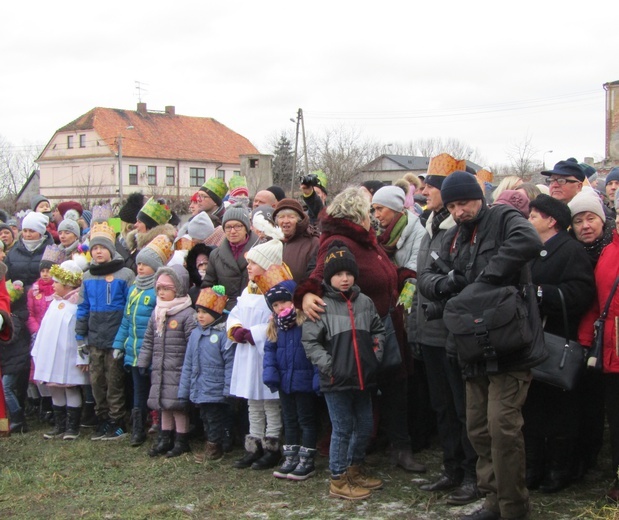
<point x="39" y="299"/>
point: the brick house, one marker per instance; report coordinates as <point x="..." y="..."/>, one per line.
<point x="158" y="153"/>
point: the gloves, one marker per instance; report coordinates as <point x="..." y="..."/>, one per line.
<point x="143" y="371"/>
<point x="249" y="338"/>
<point x="453" y="283"/>
<point x="82" y="349"/>
<point x="117" y="353"/>
<point x="242" y="335"/>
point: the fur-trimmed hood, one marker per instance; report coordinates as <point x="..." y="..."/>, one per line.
<point x="190" y="261"/>
<point x="137" y="241"/>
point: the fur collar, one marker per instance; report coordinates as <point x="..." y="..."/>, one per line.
<point x="137" y="240"/>
<point x="339" y="226"/>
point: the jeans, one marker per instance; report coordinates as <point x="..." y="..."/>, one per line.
<point x="351" y="418"/>
<point x="299" y="413"/>
<point x="9" y="382"/>
<point x="213" y="417"/>
<point x="141" y="388"/>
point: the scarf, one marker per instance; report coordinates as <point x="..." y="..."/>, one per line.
<point x="33" y="245"/>
<point x="165" y="309"/>
<point x="144" y="282"/>
<point x="72" y="297"/>
<point x="44" y="287"/>
<point x="68" y="251"/>
<point x="286" y="319"/>
<point x="438" y="218"/>
<point x="116" y="264"/>
<point x="391" y="234"/>
<point x="594" y="249"/>
<point x="237" y="249"/>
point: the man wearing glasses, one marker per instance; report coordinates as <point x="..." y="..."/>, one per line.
<point x="565" y="180"/>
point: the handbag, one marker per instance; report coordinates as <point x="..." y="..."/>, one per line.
<point x="392" y="357"/>
<point x="594" y="356"/>
<point x="565" y="362"/>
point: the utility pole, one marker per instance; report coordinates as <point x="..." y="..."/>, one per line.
<point x="300" y="123"/>
<point x="120" y="167"/>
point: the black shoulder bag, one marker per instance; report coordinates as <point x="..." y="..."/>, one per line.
<point x="594" y="357"/>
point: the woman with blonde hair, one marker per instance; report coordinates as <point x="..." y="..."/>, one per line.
<point x="511" y="182"/>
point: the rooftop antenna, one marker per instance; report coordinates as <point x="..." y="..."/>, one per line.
<point x="139" y="86"/>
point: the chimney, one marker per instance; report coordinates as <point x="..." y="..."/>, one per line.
<point x="170" y="110"/>
<point x="142" y="109"/>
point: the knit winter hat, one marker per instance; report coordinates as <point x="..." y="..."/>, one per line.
<point x="516" y="199"/>
<point x="52" y="255"/>
<point x="587" y="201"/>
<point x="440" y="167"/>
<point x="339" y="258"/>
<point x="7" y="226"/>
<point x="292" y="204"/>
<point x="391" y="197"/>
<point x="213" y="300"/>
<point x="238" y="213"/>
<point x="277" y="191"/>
<point x="102" y="234"/>
<point x="156" y="253"/>
<point x="567" y="169"/>
<point x="216" y="189"/>
<point x="590" y="172"/>
<point x="36" y="221"/>
<point x="554" y="208"/>
<point x="265" y="211"/>
<point x="129" y="212"/>
<point x="63" y="207"/>
<point x="201" y="226"/>
<point x="266" y="254"/>
<point x="372" y="186"/>
<point x="613" y="175"/>
<point x="36" y="200"/>
<point x="282" y="292"/>
<point x="70" y="225"/>
<point x="460" y="186"/>
<point x="154" y="213"/>
<point x="87" y="216"/>
<point x="177" y="275"/>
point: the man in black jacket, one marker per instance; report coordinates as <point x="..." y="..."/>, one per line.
<point x="489" y="247"/>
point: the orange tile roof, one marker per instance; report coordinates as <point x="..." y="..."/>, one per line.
<point x="164" y="136"/>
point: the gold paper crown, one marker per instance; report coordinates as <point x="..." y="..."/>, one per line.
<point x="444" y="164"/>
<point x="212" y="300"/>
<point x="272" y="276"/>
<point x="162" y="245"/>
<point x="102" y="229"/>
<point x="485" y="175"/>
<point x="184" y="243"/>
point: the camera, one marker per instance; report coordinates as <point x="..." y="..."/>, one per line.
<point x="433" y="310"/>
<point x="311" y="179"/>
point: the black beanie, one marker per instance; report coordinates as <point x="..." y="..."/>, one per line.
<point x="553" y="208"/>
<point x="460" y="186"/>
<point x="372" y="186"/>
<point x="129" y="212"/>
<point x="277" y="191"/>
<point x="339" y="258"/>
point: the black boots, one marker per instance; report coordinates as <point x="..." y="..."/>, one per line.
<point x="271" y="455"/>
<point x="163" y="443"/>
<point x="291" y="459"/>
<point x="181" y="445"/>
<point x="60" y="423"/>
<point x="535" y="448"/>
<point x="305" y="468"/>
<point x="138" y="432"/>
<point x="72" y="430"/>
<point x="558" y="470"/>
<point x="18" y="422"/>
<point x="253" y="451"/>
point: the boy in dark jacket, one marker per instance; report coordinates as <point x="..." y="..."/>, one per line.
<point x="345" y="344"/>
<point x="102" y="300"/>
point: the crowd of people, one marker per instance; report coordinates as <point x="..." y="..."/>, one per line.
<point x="299" y="326"/>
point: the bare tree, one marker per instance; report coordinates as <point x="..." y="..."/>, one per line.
<point x="429" y="147"/>
<point x="16" y="165"/>
<point x="521" y="156"/>
<point x="89" y="188"/>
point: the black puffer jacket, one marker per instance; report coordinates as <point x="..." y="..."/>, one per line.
<point x="23" y="264"/>
<point x="15" y="353"/>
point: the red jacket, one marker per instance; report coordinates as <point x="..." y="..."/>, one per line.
<point x="39" y="299"/>
<point x="606" y="273"/>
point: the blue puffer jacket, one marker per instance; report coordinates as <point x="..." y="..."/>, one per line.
<point x="285" y="365"/>
<point x="208" y="366"/>
<point x="140" y="306"/>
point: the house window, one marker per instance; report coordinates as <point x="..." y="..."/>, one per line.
<point x="221" y="174"/>
<point x="169" y="176"/>
<point x="253" y="163"/>
<point x="69" y="141"/>
<point x="152" y="176"/>
<point x="197" y="176"/>
<point x="82" y="140"/>
<point x="237" y="173"/>
<point x="133" y="175"/>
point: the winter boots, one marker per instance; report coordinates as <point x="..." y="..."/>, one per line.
<point x="60" y="423"/>
<point x="271" y="455"/>
<point x="253" y="452"/>
<point x="181" y="445"/>
<point x="72" y="430"/>
<point x="138" y="432"/>
<point x="212" y="451"/>
<point x="18" y="422"/>
<point x="305" y="468"/>
<point x="341" y="486"/>
<point x="291" y="459"/>
<point x="163" y="443"/>
<point x="358" y="476"/>
<point x="89" y="417"/>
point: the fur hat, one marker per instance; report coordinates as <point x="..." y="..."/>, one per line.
<point x="36" y="221"/>
<point x="156" y="253"/>
<point x="129" y="212"/>
<point x="154" y="213"/>
<point x="213" y="300"/>
<point x="36" y="200"/>
<point x="70" y="225"/>
<point x="216" y="189"/>
<point x="63" y="207"/>
<point x="179" y="276"/>
<point x="282" y="292"/>
<point x="587" y="201"/>
<point x="238" y="213"/>
<point x="554" y="208"/>
<point x="391" y="197"/>
<point x="102" y="234"/>
<point x="566" y="169"/>
<point x="339" y="258"/>
<point x="460" y="186"/>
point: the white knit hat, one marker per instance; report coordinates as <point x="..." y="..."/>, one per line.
<point x="587" y="201"/>
<point x="35" y="221"/>
<point x="391" y="197"/>
<point x="267" y="254"/>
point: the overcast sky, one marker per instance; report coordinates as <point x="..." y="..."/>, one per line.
<point x="488" y="73"/>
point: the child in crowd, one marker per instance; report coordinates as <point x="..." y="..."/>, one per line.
<point x="287" y="370"/>
<point x="128" y="341"/>
<point x="57" y="363"/>
<point x="207" y="370"/>
<point x="246" y="326"/>
<point x="346" y="343"/>
<point x="163" y="350"/>
<point x="103" y="297"/>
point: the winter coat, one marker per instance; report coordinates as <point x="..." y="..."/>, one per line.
<point x="135" y="242"/>
<point x="224" y="270"/>
<point x="407" y="246"/>
<point x="300" y="250"/>
<point x="430" y="333"/>
<point x="252" y="313"/>
<point x="207" y="369"/>
<point x="286" y="367"/>
<point x="505" y="242"/>
<point x="165" y="355"/>
<point x="103" y="296"/>
<point x="606" y="272"/>
<point x="23" y="264"/>
<point x="55" y="349"/>
<point x="40" y="297"/>
<point x="137" y="313"/>
<point x="346" y="342"/>
<point x="15" y="353"/>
